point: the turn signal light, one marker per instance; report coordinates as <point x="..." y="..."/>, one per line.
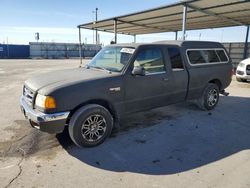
<point x="49" y="102"/>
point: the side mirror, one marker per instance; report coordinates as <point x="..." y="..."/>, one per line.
<point x="138" y="70"/>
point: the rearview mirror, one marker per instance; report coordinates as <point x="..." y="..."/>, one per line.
<point x="138" y="70"/>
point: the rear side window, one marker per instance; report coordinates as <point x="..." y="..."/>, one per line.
<point x="195" y="57"/>
<point x="206" y="56"/>
<point x="222" y="55"/>
<point x="210" y="56"/>
<point x="175" y="58"/>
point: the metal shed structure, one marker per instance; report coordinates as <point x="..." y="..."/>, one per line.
<point x="181" y="16"/>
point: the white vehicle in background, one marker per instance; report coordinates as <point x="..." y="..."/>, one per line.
<point x="243" y="71"/>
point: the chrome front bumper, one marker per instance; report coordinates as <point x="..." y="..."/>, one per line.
<point x="51" y="123"/>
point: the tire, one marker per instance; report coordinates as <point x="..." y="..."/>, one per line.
<point x="90" y="125"/>
<point x="209" y="98"/>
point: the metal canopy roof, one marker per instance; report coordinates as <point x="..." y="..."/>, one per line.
<point x="201" y="14"/>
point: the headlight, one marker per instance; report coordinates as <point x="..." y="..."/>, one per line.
<point x="46" y="102"/>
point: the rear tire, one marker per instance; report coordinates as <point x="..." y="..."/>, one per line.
<point x="90" y="125"/>
<point x="209" y="98"/>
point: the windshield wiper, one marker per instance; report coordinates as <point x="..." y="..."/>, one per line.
<point x="97" y="67"/>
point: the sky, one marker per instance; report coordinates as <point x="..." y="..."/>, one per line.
<point x="57" y="20"/>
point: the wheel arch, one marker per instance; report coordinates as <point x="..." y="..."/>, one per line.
<point x="217" y="82"/>
<point x="102" y="102"/>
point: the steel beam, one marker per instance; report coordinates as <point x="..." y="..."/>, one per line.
<point x="176" y="35"/>
<point x="142" y="25"/>
<point x="246" y="44"/>
<point x="214" y="14"/>
<point x="80" y="47"/>
<point x="115" y="30"/>
<point x="184" y="21"/>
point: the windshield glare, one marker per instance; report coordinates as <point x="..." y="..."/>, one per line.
<point x="112" y="58"/>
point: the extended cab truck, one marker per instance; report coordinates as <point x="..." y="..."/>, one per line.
<point x="122" y="79"/>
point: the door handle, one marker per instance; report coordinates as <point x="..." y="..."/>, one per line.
<point x="165" y="79"/>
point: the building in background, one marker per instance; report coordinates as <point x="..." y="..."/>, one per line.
<point x="236" y="51"/>
<point x="49" y="50"/>
<point x="13" y="51"/>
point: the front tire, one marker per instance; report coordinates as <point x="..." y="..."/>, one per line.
<point x="209" y="98"/>
<point x="90" y="125"/>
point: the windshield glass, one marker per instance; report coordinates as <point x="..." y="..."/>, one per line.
<point x="112" y="58"/>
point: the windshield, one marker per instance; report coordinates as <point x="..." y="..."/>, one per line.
<point x="112" y="58"/>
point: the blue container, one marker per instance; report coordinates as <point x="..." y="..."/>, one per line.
<point x="14" y="51"/>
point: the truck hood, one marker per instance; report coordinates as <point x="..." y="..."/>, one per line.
<point x="64" y="77"/>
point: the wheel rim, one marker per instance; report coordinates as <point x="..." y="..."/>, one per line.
<point x="94" y="127"/>
<point x="212" y="97"/>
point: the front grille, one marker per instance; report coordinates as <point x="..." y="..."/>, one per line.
<point x="248" y="70"/>
<point x="28" y="95"/>
<point x="240" y="72"/>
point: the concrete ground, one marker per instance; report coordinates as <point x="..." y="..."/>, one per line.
<point x="174" y="146"/>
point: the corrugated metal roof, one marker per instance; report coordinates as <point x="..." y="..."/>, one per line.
<point x="201" y="14"/>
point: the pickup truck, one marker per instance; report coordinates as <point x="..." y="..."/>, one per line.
<point x="122" y="79"/>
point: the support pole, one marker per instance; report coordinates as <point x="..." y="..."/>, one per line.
<point x="246" y="44"/>
<point x="96" y="33"/>
<point x="134" y="38"/>
<point x="80" y="47"/>
<point x="8" y="49"/>
<point x="115" y="30"/>
<point x="184" y="21"/>
<point x="176" y="35"/>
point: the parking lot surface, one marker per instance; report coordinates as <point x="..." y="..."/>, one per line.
<point x="174" y="146"/>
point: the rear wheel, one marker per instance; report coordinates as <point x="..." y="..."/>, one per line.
<point x="90" y="125"/>
<point x="210" y="97"/>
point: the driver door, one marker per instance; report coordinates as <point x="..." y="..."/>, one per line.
<point x="148" y="91"/>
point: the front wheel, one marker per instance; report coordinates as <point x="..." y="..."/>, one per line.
<point x="210" y="97"/>
<point x="90" y="125"/>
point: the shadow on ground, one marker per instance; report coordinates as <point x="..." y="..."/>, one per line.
<point x="185" y="139"/>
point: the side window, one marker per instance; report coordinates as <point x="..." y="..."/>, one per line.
<point x="175" y="58"/>
<point x="206" y="56"/>
<point x="210" y="56"/>
<point x="195" y="57"/>
<point x="222" y="55"/>
<point x="151" y="60"/>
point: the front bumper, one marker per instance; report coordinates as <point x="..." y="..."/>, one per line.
<point x="244" y="76"/>
<point x="51" y="123"/>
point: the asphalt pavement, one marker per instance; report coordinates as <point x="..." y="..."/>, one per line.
<point x="173" y="146"/>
